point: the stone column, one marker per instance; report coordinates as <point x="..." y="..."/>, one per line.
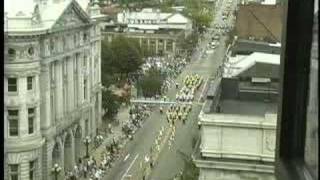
<point x="47" y="159"/>
<point x="99" y="106"/>
<point x="75" y="84"/>
<point x="71" y="83"/>
<point x="149" y="44"/>
<point x="157" y="45"/>
<point x="174" y="47"/>
<point x="165" y="45"/>
<point x="80" y="79"/>
<point x="59" y="90"/>
<point x="24" y="170"/>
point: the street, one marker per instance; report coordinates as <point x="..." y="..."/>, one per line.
<point x="170" y="161"/>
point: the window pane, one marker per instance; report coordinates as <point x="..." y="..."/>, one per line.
<point x="311" y="144"/>
<point x="29" y="82"/>
<point x="14" y="168"/>
<point x="30" y="125"/>
<point x="12" y="84"/>
<point x="30" y="111"/>
<point x="13" y="112"/>
<point x="32" y="170"/>
<point x="13" y="122"/>
<point x="14" y="172"/>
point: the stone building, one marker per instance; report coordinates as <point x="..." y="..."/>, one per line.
<point x="159" y="32"/>
<point x="238" y="121"/>
<point x="52" y="86"/>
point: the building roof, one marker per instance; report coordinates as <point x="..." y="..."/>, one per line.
<point x="36" y="15"/>
<point x="263" y="22"/>
<point x="240" y="63"/>
<point x="246" y="46"/>
<point x="150" y="14"/>
<point x="269" y="2"/>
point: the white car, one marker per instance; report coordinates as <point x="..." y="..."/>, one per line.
<point x="209" y="51"/>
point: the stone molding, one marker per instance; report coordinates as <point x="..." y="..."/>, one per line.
<point x="235" y="166"/>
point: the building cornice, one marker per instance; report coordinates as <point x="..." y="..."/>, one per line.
<point x="239" y="156"/>
<point x="23" y="144"/>
<point x="236" y="120"/>
<point x="235" y="166"/>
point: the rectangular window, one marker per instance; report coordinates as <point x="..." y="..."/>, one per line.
<point x="31" y="116"/>
<point x="14" y="171"/>
<point x="32" y="169"/>
<point x="13" y="118"/>
<point x="30" y="82"/>
<point x="12" y="85"/>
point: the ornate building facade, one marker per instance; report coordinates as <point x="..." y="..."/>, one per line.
<point x="158" y="32"/>
<point x="52" y="84"/>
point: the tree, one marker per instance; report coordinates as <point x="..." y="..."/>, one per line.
<point x="110" y="103"/>
<point x="199" y="13"/>
<point x="108" y="69"/>
<point x="151" y="83"/>
<point x="126" y="54"/>
<point x="190" y="41"/>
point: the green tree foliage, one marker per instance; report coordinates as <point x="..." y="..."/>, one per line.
<point x="151" y="83"/>
<point x="127" y="57"/>
<point x="200" y="14"/>
<point x="110" y="103"/>
<point x="166" y="6"/>
<point x="108" y="70"/>
<point x="190" y="41"/>
<point x="122" y="56"/>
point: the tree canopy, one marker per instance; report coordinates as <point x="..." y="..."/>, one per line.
<point x="151" y="83"/>
<point x="199" y="12"/>
<point x="110" y="103"/>
<point x="122" y="56"/>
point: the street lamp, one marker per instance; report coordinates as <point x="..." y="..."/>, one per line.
<point x="56" y="170"/>
<point x="87" y="141"/>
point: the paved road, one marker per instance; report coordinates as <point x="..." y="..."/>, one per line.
<point x="136" y="150"/>
<point x="169" y="162"/>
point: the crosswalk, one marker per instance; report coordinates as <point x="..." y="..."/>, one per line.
<point x="161" y="102"/>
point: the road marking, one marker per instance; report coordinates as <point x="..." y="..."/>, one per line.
<point x="127" y="156"/>
<point x="201" y="95"/>
<point x="125" y="174"/>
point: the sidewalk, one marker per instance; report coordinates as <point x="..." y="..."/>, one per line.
<point x="123" y="115"/>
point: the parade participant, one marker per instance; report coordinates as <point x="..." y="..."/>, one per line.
<point x="177" y="85"/>
<point x="161" y="109"/>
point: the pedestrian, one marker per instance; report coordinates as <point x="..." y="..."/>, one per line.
<point x="110" y="128"/>
<point x="177" y="85"/>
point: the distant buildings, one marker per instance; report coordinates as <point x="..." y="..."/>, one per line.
<point x="238" y="120"/>
<point x="52" y="85"/>
<point x="159" y="32"/>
